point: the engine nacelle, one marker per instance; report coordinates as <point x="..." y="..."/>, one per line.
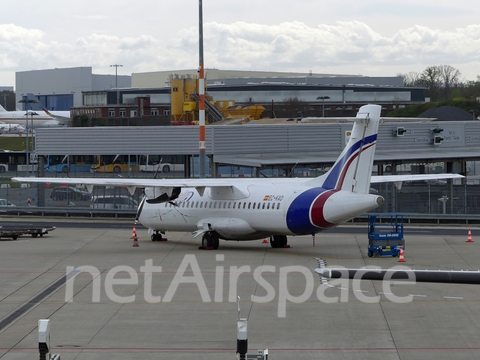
<point x="159" y="194"/>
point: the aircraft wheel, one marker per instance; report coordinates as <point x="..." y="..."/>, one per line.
<point x="205" y="241"/>
<point x="376" y="254"/>
<point x="278" y="241"/>
<point x="273" y="242"/>
<point x="216" y="242"/>
<point x="153" y="237"/>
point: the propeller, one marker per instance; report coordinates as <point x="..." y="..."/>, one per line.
<point x="160" y="199"/>
<point x="140" y="208"/>
<point x="158" y="168"/>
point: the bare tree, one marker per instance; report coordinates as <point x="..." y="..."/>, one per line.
<point x="431" y="80"/>
<point x="411" y="79"/>
<point x="450" y="77"/>
<point x="294" y="106"/>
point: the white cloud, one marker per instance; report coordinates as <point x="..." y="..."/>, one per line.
<point x="346" y="47"/>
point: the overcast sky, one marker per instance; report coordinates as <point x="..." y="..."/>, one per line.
<point x="369" y="37"/>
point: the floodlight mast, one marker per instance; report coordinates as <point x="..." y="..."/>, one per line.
<point x="201" y="93"/>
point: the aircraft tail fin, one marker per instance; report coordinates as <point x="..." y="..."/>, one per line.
<point x="2" y="108"/>
<point x="353" y="169"/>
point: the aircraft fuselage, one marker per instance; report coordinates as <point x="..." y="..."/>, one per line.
<point x="265" y="211"/>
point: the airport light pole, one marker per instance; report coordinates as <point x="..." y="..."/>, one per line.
<point x="323" y="98"/>
<point x="116" y="66"/>
<point x="28" y="101"/>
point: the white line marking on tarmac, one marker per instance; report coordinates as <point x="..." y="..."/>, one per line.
<point x="385" y="293"/>
<point x="453" y="297"/>
<point x="418" y="295"/>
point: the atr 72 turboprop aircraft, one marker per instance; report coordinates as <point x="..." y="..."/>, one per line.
<point x="248" y="209"/>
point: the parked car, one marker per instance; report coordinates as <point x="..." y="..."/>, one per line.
<point x="4" y="202"/>
<point x="70" y="193"/>
<point x="113" y="202"/>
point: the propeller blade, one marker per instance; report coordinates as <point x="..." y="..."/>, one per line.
<point x="140" y="208"/>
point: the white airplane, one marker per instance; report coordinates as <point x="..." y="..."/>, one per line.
<point x="248" y="209"/>
<point x="40" y="119"/>
<point x="11" y="128"/>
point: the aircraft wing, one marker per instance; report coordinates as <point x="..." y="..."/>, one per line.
<point x="131" y="184"/>
<point x="215" y="182"/>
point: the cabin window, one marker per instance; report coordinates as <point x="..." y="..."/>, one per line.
<point x="254" y="206"/>
<point x="229" y="204"/>
<point x="263" y="206"/>
<point x="273" y="206"/>
<point x="249" y="204"/>
<point x="244" y="205"/>
<point x="234" y="205"/>
<point x="215" y="205"/>
<point x="278" y="206"/>
<point x="225" y="205"/>
<point x="201" y="204"/>
<point x="210" y="206"/>
<point x="268" y="206"/>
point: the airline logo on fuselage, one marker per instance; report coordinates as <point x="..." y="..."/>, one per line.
<point x="184" y="197"/>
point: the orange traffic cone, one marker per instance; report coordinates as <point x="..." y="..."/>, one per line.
<point x="134" y="237"/>
<point x="469" y="236"/>
<point x="402" y="258"/>
<point x="265" y="241"/>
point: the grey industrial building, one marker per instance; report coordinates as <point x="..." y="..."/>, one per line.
<point x="61" y="89"/>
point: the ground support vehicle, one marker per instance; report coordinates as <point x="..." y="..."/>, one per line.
<point x="14" y="231"/>
<point x="385" y="238"/>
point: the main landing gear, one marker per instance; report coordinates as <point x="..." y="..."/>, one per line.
<point x="278" y="241"/>
<point x="157" y="236"/>
<point x="210" y="241"/>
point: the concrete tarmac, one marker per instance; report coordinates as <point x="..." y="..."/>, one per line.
<point x="196" y="315"/>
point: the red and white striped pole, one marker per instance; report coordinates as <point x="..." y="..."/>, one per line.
<point x="201" y="93"/>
